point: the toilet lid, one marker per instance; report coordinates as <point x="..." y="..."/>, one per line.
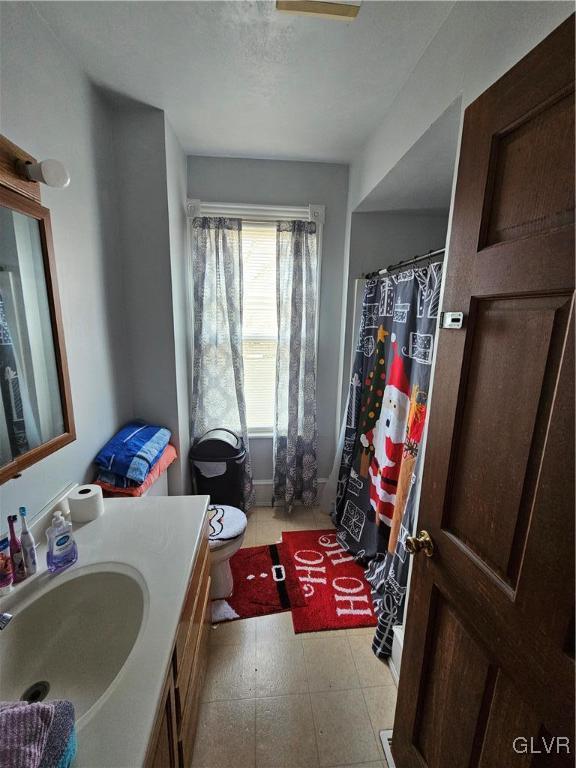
<point x="226" y="523"/>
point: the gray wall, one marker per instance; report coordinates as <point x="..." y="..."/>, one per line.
<point x="49" y="107"/>
<point x="119" y="239"/>
<point x="270" y="182"/>
<point x="176" y="179"/>
<point x="477" y="44"/>
<point x="150" y="203"/>
<point x="378" y="240"/>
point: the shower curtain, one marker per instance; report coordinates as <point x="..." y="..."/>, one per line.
<point x="22" y="428"/>
<point x="387" y="403"/>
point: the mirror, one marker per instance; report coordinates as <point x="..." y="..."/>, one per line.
<point x="35" y="405"/>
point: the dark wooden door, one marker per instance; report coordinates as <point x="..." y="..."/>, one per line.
<point x="488" y="655"/>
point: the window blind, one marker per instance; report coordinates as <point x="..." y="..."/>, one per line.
<point x="260" y="325"/>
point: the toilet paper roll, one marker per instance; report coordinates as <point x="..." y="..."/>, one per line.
<point x="86" y="503"/>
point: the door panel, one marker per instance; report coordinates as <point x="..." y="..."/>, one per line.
<point x="488" y="648"/>
<point x="508" y="717"/>
<point x="453" y="680"/>
<point x="502" y="393"/>
<point x="516" y="209"/>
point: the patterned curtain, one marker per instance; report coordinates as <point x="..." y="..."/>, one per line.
<point x="375" y="505"/>
<point x="218" y="373"/>
<point x="295" y="433"/>
<point x="388" y="575"/>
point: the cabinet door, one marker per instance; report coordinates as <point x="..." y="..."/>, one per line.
<point x="190" y="623"/>
<point x="199" y="663"/>
<point x="164" y="752"/>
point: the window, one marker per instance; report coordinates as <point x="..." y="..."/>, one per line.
<point x="259" y="320"/>
<point x="260" y="326"/>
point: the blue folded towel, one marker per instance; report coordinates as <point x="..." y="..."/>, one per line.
<point x="133" y="451"/>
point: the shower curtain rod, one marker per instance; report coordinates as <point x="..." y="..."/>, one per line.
<point x="406" y="263"/>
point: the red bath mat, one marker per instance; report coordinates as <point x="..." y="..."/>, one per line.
<point x="264" y="582"/>
<point x="336" y="592"/>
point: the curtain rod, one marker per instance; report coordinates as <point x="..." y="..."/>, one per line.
<point x="250" y="212"/>
<point x="406" y="263"/>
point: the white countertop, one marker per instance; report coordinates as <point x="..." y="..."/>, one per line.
<point x="158" y="537"/>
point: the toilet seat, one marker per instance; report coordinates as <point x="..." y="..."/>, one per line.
<point x="227" y="528"/>
<point x="226" y="524"/>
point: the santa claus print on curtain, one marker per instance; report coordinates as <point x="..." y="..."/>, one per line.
<point x="385" y="424"/>
<point x="383" y="420"/>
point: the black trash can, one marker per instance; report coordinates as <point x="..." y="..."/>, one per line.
<point x="217" y="465"/>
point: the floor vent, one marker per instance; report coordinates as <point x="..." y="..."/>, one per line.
<point x="386" y="739"/>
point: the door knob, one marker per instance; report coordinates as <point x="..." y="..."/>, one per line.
<point x="421" y="543"/>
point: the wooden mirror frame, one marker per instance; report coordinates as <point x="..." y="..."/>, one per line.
<point x="24" y="197"/>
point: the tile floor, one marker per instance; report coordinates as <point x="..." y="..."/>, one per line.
<point x="274" y="699"/>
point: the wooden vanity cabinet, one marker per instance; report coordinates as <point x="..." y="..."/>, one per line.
<point x="172" y="740"/>
<point x="163" y="749"/>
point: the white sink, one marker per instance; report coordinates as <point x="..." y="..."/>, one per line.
<point x="75" y="635"/>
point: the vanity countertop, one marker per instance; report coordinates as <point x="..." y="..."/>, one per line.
<point x="159" y="538"/>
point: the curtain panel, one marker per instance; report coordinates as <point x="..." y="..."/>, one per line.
<point x="217" y="398"/>
<point x="295" y="431"/>
<point x="387" y="406"/>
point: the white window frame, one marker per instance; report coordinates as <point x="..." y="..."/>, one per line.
<point x="263" y="213"/>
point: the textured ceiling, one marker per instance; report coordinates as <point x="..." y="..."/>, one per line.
<point x="241" y="79"/>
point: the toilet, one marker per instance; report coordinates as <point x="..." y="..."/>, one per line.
<point x="227" y="528"/>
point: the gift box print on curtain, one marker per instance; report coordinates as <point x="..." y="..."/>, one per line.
<point x="385" y="419"/>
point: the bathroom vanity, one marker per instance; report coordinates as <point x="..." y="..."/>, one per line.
<point x="172" y="740"/>
<point x="123" y="633"/>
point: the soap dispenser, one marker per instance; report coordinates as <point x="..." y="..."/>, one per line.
<point x="62" y="549"/>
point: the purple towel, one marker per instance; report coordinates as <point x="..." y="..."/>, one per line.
<point x="25" y="729"/>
